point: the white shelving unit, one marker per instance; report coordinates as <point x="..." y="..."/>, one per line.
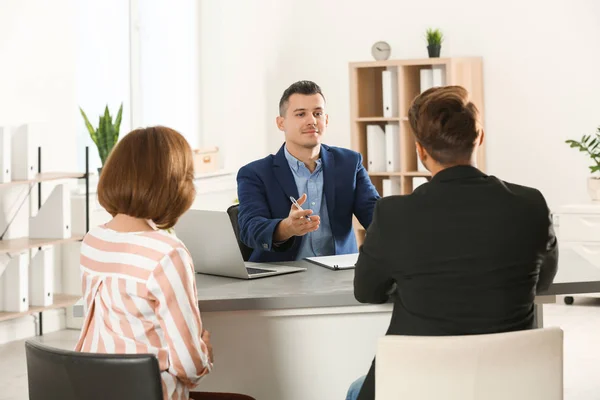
<point x="15" y="293"/>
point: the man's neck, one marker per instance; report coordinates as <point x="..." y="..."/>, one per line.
<point x="308" y="156"/>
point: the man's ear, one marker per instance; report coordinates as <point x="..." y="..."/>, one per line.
<point x="279" y="121"/>
<point x="421" y="152"/>
<point x="481" y="135"/>
<point x="326" y="120"/>
<point x="423" y="155"/>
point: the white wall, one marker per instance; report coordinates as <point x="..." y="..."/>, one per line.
<point x="38" y="85"/>
<point x="169" y="52"/>
<point x="540" y="72"/>
<point x="37" y="73"/>
<point x="239" y="76"/>
<point x="164" y="72"/>
<point x="102" y="68"/>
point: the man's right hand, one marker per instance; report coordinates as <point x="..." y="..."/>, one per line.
<point x="296" y="223"/>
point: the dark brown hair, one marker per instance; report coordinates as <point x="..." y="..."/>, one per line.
<point x="445" y="123"/>
<point x="301" y="87"/>
<point x="149" y="174"/>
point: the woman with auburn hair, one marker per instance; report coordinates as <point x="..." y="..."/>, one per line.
<point x="138" y="279"/>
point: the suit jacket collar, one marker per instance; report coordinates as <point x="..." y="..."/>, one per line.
<point x="283" y="174"/>
<point x="456" y="173"/>
<point x="328" y="180"/>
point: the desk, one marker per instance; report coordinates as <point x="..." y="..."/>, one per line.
<point x="304" y="336"/>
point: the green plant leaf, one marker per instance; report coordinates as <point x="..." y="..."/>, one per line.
<point x="89" y="127"/>
<point x="595" y="168"/>
<point x="102" y="139"/>
<point x="571" y="143"/>
<point x="110" y="137"/>
<point x="434" y="37"/>
<point x="107" y="132"/>
<point x="118" y="123"/>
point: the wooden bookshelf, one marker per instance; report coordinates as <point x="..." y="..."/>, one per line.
<point x="26" y="243"/>
<point x="46" y="177"/>
<point x="366" y="108"/>
<point x="18" y="286"/>
<point x="60" y="301"/>
<point x="385" y="174"/>
<point x="422" y="174"/>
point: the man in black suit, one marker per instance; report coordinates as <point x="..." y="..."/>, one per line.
<point x="465" y="253"/>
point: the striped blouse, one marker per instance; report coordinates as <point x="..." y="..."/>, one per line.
<point x="140" y="296"/>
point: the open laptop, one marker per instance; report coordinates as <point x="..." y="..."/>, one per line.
<point x="209" y="237"/>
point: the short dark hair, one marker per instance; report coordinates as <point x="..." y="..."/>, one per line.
<point x="301" y="87"/>
<point x="445" y="123"/>
<point x="150" y="175"/>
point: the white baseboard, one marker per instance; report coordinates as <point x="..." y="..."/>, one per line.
<point x="26" y="327"/>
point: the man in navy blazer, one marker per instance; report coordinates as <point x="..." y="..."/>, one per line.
<point x="330" y="184"/>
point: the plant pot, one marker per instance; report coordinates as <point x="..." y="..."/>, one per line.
<point x="594" y="188"/>
<point x="434" y="50"/>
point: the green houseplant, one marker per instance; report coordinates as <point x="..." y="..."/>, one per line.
<point x="434" y="42"/>
<point x="591" y="146"/>
<point x="106" y="135"/>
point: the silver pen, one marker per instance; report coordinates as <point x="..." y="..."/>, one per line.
<point x="298" y="206"/>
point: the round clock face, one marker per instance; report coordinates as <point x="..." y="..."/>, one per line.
<point x="381" y="51"/>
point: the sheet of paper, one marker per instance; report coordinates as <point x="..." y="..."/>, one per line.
<point x="342" y="261"/>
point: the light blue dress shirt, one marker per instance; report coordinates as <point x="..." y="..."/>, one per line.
<point x="319" y="242"/>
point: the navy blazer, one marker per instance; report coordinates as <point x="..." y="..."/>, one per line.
<point x="264" y="189"/>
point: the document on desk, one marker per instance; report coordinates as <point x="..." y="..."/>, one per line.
<point x="342" y="261"/>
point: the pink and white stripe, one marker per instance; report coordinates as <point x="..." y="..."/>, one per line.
<point x="140" y="297"/>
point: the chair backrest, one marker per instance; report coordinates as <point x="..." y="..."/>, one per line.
<point x="232" y="211"/>
<point x="69" y="375"/>
<point x="516" y="365"/>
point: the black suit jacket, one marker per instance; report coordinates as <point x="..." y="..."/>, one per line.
<point x="466" y="252"/>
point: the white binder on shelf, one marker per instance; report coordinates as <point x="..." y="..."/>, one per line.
<point x="375" y="148"/>
<point x="5" y="152"/>
<point x="389" y="83"/>
<point x="439" y="75"/>
<point x="53" y="220"/>
<point x="426" y="79"/>
<point x="15" y="291"/>
<point x="24" y="153"/>
<point x="392" y="147"/>
<point x="41" y="278"/>
<point x="392" y="187"/>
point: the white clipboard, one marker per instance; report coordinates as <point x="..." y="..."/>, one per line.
<point x="335" y="263"/>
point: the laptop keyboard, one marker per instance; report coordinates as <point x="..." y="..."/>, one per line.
<point x="253" y="271"/>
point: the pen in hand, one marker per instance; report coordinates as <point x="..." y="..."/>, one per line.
<point x="298" y="206"/>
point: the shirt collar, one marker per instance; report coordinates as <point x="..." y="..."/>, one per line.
<point x="458" y="172"/>
<point x="296" y="164"/>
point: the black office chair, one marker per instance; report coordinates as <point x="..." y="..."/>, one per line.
<point x="69" y="375"/>
<point x="233" y="211"/>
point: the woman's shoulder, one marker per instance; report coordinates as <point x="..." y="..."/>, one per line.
<point x="152" y="244"/>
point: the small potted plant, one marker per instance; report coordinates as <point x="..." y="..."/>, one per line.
<point x="591" y="146"/>
<point x="107" y="133"/>
<point x="434" y="42"/>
